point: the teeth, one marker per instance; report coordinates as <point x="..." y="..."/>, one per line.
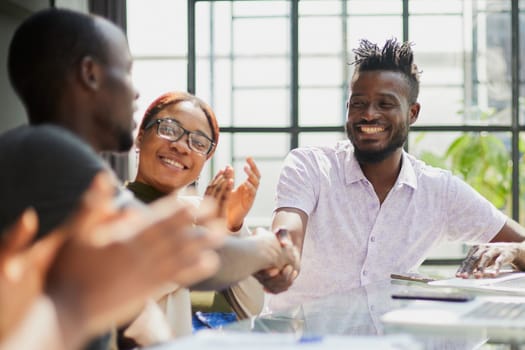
<point x="172" y="162"/>
<point x="371" y="129"/>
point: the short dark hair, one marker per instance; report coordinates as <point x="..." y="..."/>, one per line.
<point x="394" y="56"/>
<point x="44" y="49"/>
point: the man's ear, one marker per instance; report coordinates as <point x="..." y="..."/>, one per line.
<point x="90" y="73"/>
<point x="414" y="112"/>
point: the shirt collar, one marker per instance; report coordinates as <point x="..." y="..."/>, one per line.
<point x="353" y="172"/>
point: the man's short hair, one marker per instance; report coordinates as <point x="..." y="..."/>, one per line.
<point x="44" y="50"/>
<point x="394" y="56"/>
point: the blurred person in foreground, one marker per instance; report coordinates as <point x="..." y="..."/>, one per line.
<point x="59" y="291"/>
<point x="72" y="72"/>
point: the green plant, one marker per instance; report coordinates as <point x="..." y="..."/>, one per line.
<point x="483" y="161"/>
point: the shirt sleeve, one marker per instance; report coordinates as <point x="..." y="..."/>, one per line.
<point x="298" y="182"/>
<point x="471" y="217"/>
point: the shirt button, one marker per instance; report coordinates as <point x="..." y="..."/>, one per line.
<point x="364" y="273"/>
<point x="372" y="239"/>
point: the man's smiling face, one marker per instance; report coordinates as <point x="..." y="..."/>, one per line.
<point x="379" y="114"/>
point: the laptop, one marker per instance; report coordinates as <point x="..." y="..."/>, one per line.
<point x="497" y="317"/>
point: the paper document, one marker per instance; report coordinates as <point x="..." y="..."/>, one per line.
<point x="508" y="283"/>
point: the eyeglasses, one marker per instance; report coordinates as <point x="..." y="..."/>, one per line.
<point x="171" y="130"/>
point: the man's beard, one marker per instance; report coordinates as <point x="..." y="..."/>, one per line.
<point x="378" y="155"/>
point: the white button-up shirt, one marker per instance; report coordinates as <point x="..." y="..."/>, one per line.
<point x="352" y="239"/>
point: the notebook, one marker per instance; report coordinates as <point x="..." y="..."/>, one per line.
<point x="499" y="317"/>
<point x="510" y="283"/>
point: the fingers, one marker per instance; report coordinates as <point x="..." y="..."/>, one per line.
<point x="213" y="183"/>
<point x="220" y="188"/>
<point x="480" y="258"/>
<point x="469" y="263"/>
<point x="253" y="173"/>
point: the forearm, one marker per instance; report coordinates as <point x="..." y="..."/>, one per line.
<point x="510" y="232"/>
<point x="240" y="258"/>
<point x="293" y="220"/>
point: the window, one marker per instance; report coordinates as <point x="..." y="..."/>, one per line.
<point x="276" y="72"/>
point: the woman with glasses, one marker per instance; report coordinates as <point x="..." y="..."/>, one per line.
<point x="178" y="134"/>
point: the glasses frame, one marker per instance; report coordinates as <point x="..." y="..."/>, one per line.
<point x="185" y="132"/>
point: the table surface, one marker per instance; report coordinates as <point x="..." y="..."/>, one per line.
<point x="358" y="311"/>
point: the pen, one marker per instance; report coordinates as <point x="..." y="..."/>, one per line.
<point x="310" y="339"/>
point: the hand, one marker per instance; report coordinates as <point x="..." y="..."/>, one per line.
<point x="116" y="259"/>
<point x="23" y="267"/>
<point x="494" y="256"/>
<point x="280" y="277"/>
<point x="235" y="203"/>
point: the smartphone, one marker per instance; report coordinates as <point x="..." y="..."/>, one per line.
<point x="434" y="295"/>
<point x="411" y="276"/>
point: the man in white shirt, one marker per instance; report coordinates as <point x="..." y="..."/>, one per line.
<point x="365" y="208"/>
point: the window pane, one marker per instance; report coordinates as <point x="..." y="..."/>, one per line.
<point x="261" y="8"/>
<point x="157" y="32"/>
<point x="377" y="29"/>
<point x="377" y="7"/>
<point x="319" y="7"/>
<point x="261" y="72"/>
<point x="220" y="14"/>
<point x="262" y="210"/>
<point x="257" y="36"/>
<point x="437" y="7"/>
<point x="261" y="145"/>
<point x="494" y="63"/>
<point x="328" y="139"/>
<point x="441" y="106"/>
<point x="155" y="77"/>
<point x="315" y="31"/>
<point x="522" y="178"/>
<point x="259" y="107"/>
<point x="321" y="107"/>
<point x="432" y="41"/>
<point x="521" y="104"/>
<point x="316" y="71"/>
<point x="216" y="92"/>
